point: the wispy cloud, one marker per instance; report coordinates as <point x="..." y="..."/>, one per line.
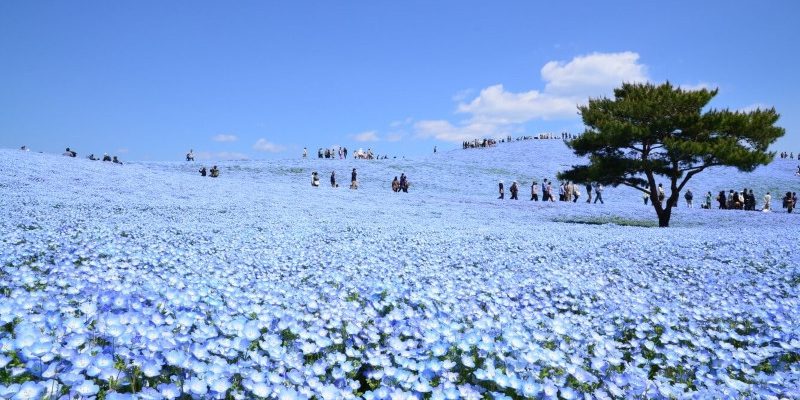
<point x="496" y="111"/>
<point x="697" y="86"/>
<point x="222" y="137"/>
<point x="753" y="107"/>
<point x="267" y="146"/>
<point x="368" y="136"/>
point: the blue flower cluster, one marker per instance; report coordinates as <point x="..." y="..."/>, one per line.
<point x="149" y="282"/>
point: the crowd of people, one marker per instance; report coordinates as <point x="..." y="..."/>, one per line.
<point x="567" y="191"/>
<point x="731" y="200"/>
<point x="400" y="184"/>
<point x="72" y="153"/>
<point x="490" y="142"/>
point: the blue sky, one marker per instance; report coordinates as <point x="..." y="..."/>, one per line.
<point x="148" y="80"/>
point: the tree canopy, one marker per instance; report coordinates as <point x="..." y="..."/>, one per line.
<point x="648" y="130"/>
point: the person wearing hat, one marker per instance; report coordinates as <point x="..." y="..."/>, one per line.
<point x="353" y="179"/>
<point x="502" y="192"/>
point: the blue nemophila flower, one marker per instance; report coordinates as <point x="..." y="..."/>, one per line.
<point x="29" y="390"/>
<point x="86" y="388"/>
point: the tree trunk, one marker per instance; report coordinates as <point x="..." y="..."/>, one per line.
<point x="663" y="216"/>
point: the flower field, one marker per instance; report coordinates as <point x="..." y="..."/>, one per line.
<point x="148" y="281"/>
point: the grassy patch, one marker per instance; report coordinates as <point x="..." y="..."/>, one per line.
<point x="644" y="223"/>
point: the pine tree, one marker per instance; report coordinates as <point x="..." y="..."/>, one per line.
<point x="649" y="130"/>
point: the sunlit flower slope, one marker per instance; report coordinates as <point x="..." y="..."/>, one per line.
<point x="148" y="281"/>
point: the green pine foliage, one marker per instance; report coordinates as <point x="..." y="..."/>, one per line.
<point x="650" y="130"/>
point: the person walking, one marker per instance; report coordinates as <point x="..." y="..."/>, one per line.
<point x="767" y="201"/>
<point x="588" y="193"/>
<point x="688" y="196"/>
<point x="353" y="179"/>
<point x="305" y="152"/>
<point x="514" y="190"/>
<point x="709" y="197"/>
<point x="545" y="194"/>
<point x="501" y="190"/>
<point x="661" y="194"/>
<point x="534" y="189"/>
<point x="598" y="191"/>
<point x="333" y="178"/>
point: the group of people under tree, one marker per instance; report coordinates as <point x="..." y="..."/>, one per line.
<point x="790" y="155"/>
<point x="567" y="191"/>
<point x="214" y="172"/>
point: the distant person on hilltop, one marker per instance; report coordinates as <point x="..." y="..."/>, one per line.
<point x="344" y="150"/>
<point x="305" y="152"/>
<point x="434" y="149"/>
<point x="395" y="185"/>
<point x="92" y="157"/>
<point x="203" y="171"/>
<point x="333" y="179"/>
<point x="24" y="148"/>
<point x="70" y="153"/>
<point x="500" y="189"/>
<point x="353" y="179"/>
<point x="514" y="190"/>
<point x="116" y="161"/>
<point x="106" y="157"/>
<point x="534" y="191"/>
<point x="214" y="172"/>
<point x="190" y="155"/>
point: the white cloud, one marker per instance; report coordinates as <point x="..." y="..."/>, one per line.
<point x="593" y="74"/>
<point x="224" y="138"/>
<point x="222" y="155"/>
<point x="394" y="137"/>
<point x="496" y="112"/>
<point x="697" y="86"/>
<point x="266" y="146"/>
<point x="496" y="105"/>
<point x="404" y="122"/>
<point x="445" y="131"/>
<point x="368" y="136"/>
<point x="753" y="107"/>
